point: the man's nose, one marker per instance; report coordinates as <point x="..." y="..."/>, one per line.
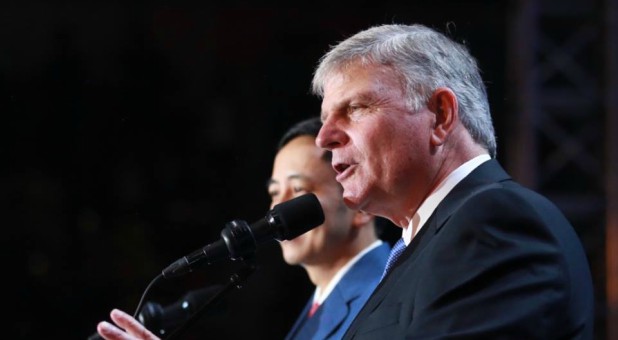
<point x="330" y="136"/>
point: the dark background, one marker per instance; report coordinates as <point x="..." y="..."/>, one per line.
<point x="133" y="132"/>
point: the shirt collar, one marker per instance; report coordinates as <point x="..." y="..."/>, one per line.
<point x="320" y="296"/>
<point x="431" y="202"/>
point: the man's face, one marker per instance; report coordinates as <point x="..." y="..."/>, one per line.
<point x="381" y="148"/>
<point x="299" y="169"/>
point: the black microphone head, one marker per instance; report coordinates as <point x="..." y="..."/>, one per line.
<point x="296" y="216"/>
<point x="285" y="221"/>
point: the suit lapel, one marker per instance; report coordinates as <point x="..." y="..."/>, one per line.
<point x="302" y="319"/>
<point x="340" y="302"/>
<point x="412" y="250"/>
<point x="331" y="314"/>
<point x="482" y="177"/>
<point x="354" y="284"/>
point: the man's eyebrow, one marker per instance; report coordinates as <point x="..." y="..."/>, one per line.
<point x="271" y="181"/>
<point x="296" y="176"/>
<point x="365" y="96"/>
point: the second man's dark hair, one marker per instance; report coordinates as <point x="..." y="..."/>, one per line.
<point x="308" y="127"/>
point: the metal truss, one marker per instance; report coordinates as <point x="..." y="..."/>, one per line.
<point x="563" y="100"/>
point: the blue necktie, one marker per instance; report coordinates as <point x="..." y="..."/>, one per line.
<point x="398" y="248"/>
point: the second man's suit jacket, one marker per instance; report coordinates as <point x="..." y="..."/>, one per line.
<point x="343" y="303"/>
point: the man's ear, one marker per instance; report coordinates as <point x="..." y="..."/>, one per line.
<point x="361" y="218"/>
<point x="443" y="103"/>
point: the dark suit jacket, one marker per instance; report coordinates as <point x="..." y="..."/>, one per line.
<point x="494" y="261"/>
<point x="341" y="306"/>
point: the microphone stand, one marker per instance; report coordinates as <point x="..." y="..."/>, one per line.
<point x="235" y="281"/>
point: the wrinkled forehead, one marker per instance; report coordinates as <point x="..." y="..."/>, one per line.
<point x="374" y="71"/>
<point x="334" y="67"/>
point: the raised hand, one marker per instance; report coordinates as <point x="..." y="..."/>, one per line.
<point x="126" y="328"/>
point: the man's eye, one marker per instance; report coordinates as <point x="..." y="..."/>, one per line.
<point x="299" y="189"/>
<point x="273" y="193"/>
<point x="356" y="110"/>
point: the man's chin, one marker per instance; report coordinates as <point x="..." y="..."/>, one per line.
<point x="351" y="201"/>
<point x="291" y="260"/>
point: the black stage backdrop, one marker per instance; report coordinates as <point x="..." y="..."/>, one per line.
<point x="133" y="132"/>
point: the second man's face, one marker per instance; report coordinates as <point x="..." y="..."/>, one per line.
<point x="299" y="168"/>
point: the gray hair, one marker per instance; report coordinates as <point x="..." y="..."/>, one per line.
<point x="426" y="60"/>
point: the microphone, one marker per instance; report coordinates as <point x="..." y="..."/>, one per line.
<point x="284" y="221"/>
<point x="162" y="320"/>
